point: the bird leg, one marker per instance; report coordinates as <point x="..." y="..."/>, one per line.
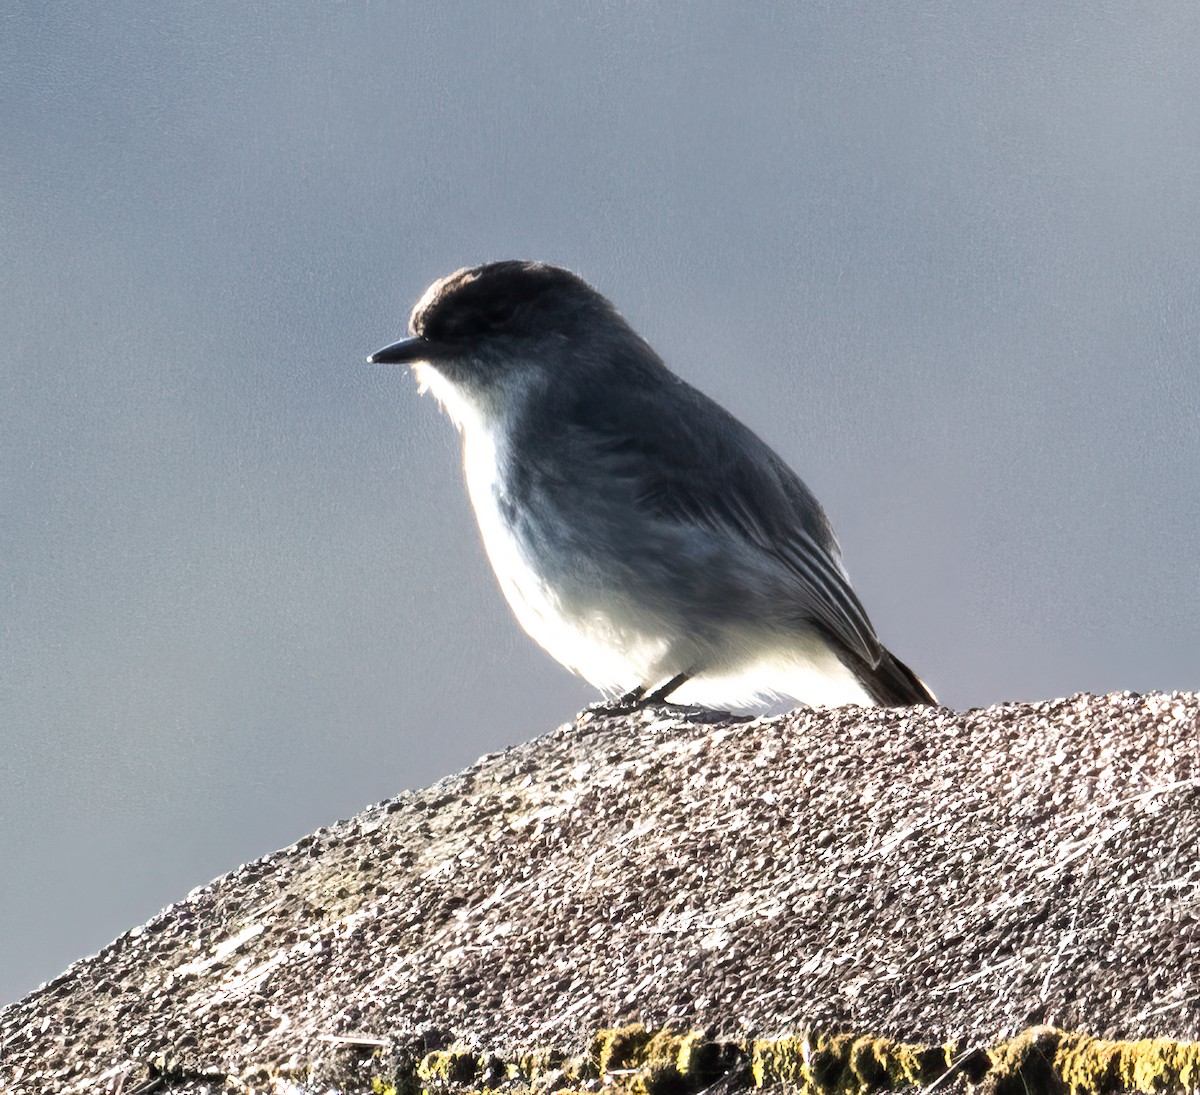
<point x="631" y="698"/>
<point x="636" y="699"/>
<point x="659" y="695"/>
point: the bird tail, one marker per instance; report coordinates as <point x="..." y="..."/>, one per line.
<point x="890" y="683"/>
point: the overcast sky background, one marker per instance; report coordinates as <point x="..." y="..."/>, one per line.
<point x="944" y="257"/>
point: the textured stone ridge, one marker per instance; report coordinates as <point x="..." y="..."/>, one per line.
<point x="921" y="878"/>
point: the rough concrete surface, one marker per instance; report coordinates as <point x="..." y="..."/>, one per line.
<point x="918" y="875"/>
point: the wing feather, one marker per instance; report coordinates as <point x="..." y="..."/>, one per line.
<point x="757" y="498"/>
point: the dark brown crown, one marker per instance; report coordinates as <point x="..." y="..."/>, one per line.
<point x="499" y="297"/>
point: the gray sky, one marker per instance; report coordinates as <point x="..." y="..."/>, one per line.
<point x="944" y="258"/>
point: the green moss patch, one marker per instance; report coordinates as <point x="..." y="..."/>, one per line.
<point x="644" y="1062"/>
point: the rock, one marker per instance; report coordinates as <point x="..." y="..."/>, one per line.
<point x="848" y="899"/>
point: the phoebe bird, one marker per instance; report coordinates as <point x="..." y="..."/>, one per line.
<point x="642" y="535"/>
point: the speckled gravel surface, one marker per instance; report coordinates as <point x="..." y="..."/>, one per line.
<point x="920" y="874"/>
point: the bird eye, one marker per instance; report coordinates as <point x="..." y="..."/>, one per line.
<point x="478" y="319"/>
<point x="498" y="315"/>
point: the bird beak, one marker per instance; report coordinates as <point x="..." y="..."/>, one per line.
<point x="404" y="352"/>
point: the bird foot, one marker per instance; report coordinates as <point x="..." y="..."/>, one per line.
<point x="688" y="712"/>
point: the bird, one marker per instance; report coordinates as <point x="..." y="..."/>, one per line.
<point x="646" y="538"/>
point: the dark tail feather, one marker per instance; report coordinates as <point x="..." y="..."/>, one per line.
<point x="891" y="683"/>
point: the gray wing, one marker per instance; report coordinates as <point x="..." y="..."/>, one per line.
<point x="757" y="496"/>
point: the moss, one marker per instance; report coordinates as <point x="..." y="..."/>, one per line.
<point x="779" y="1061"/>
<point x="1157" y="1064"/>
<point x="916" y="1064"/>
<point x="618" y="1048"/>
<point x="646" y="1060"/>
<point x="1085" y="1064"/>
<point x="1149" y="1065"/>
<point x="701" y="1061"/>
<point x="448" y="1066"/>
<point x="531" y="1066"/>
<point x="868" y="1062"/>
<point x="1024" y="1065"/>
<point x="633" y="1060"/>
<point x="662" y="1051"/>
<point x="842" y="1064"/>
<point x="828" y="1064"/>
<point x="1044" y="1060"/>
<point x="634" y="1047"/>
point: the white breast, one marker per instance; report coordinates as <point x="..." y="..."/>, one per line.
<point x="613" y="654"/>
<point x="612" y="657"/>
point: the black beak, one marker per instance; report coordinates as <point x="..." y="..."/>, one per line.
<point x="403" y="352"/>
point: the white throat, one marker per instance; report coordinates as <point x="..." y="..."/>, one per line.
<point x="463" y="411"/>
